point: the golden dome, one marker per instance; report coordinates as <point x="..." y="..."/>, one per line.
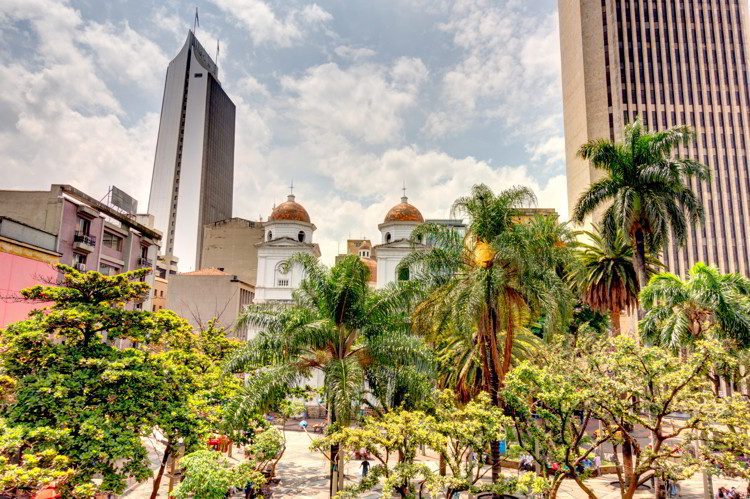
<point x="289" y="210"/>
<point x="404" y="212"/>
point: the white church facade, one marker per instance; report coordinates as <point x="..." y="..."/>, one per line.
<point x="289" y="231"/>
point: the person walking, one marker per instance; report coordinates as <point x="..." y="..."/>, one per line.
<point x="365" y="467"/>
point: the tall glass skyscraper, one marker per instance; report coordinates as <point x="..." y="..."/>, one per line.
<point x="671" y="62"/>
<point x="194" y="165"/>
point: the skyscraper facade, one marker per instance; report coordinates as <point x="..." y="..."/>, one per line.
<point x="671" y="62"/>
<point x="193" y="173"/>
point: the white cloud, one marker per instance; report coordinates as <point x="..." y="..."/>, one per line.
<point x="126" y="55"/>
<point x="550" y="151"/>
<point x="508" y="72"/>
<point x="63" y="123"/>
<point x="354" y="53"/>
<point x="364" y="102"/>
<point x="265" y="26"/>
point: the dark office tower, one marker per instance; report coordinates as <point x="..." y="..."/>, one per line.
<point x="194" y="166"/>
<point x="671" y="62"/>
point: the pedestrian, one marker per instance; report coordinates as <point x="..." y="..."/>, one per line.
<point x="723" y="493"/>
<point x="733" y="494"/>
<point x="365" y="467"/>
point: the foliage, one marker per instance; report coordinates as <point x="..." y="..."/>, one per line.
<point x="635" y="386"/>
<point x="605" y="275"/>
<point x="550" y="405"/>
<point x="92" y="401"/>
<point x="338" y="326"/>
<point x="645" y="190"/>
<point x="706" y="304"/>
<point x="209" y="475"/>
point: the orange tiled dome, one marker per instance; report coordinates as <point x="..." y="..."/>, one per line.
<point x="404" y="212"/>
<point x="290" y="210"/>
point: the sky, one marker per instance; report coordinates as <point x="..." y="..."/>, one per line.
<point x="349" y="99"/>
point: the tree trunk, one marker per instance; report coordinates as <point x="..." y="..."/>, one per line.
<point x="616" y="323"/>
<point x="639" y="261"/>
<point x="584" y="488"/>
<point x="333" y="472"/>
<point x="443" y="467"/>
<point x="627" y="463"/>
<point x="157" y="479"/>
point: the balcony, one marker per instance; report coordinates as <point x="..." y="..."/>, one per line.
<point x="84" y="242"/>
<point x="145" y="262"/>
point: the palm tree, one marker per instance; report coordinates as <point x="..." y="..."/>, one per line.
<point x="605" y="274"/>
<point x="645" y="189"/>
<point x="482" y="290"/>
<point x="337" y="326"/>
<point x="679" y="313"/>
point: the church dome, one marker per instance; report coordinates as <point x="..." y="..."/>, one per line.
<point x="290" y="210"/>
<point x="404" y="212"/>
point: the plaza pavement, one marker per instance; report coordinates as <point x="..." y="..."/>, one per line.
<point x="304" y="474"/>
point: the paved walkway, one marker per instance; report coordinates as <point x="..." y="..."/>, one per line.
<point x="304" y="474"/>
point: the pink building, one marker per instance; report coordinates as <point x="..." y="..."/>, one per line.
<point x="86" y="233"/>
<point x="27" y="258"/>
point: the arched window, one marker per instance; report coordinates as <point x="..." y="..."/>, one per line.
<point x="419" y="239"/>
<point x="364" y="253"/>
<point x="387" y="237"/>
<point x="281" y="278"/>
<point x="270" y="236"/>
<point x="301" y="236"/>
<point x="402" y="273"/>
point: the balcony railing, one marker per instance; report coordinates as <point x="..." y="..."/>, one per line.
<point x="145" y="262"/>
<point x="88" y="239"/>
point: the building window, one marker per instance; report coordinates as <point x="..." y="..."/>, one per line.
<point x="84" y="226"/>
<point x="79" y="262"/>
<point x="198" y="75"/>
<point x="112" y="241"/>
<point x="301" y="236"/>
<point x="402" y="274"/>
<point x="387" y="237"/>
<point x="364" y="253"/>
<point x="270" y="236"/>
<point x="108" y="269"/>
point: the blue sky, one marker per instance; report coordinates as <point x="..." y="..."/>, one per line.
<point x="349" y="98"/>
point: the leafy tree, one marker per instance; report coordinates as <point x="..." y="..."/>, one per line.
<point x="643" y="387"/>
<point x="193" y="363"/>
<point x="550" y="406"/>
<point x="485" y="289"/>
<point x="337" y="326"/>
<point x="605" y="274"/>
<point x="468" y="431"/>
<point x="209" y="475"/>
<point x="397" y="433"/>
<point x="707" y="303"/>
<point x="94" y="401"/>
<point x="644" y="191"/>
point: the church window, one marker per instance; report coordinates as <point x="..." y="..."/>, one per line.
<point x="301" y="236"/>
<point x="270" y="236"/>
<point x="403" y="273"/>
<point x="364" y="253"/>
<point x="387" y="237"/>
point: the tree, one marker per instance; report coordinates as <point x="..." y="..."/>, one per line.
<point x="637" y="387"/>
<point x="336" y="325"/>
<point x="490" y="285"/>
<point x="209" y="475"/>
<point x="708" y="303"/>
<point x="92" y="400"/>
<point x="605" y="274"/>
<point x="550" y="405"/>
<point x="645" y="190"/>
<point x="193" y="363"/>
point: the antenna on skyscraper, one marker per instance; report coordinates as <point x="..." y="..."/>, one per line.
<point x="217" y="52"/>
<point x="196" y="22"/>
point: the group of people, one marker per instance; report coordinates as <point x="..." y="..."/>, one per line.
<point x="725" y="493"/>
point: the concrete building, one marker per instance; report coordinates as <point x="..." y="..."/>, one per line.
<point x="231" y="245"/>
<point x="396" y="242"/>
<point x="362" y="248"/>
<point x="204" y="294"/>
<point x="193" y="173"/>
<point x="288" y="231"/>
<point x="27" y="258"/>
<point x="682" y="62"/>
<point x="89" y="234"/>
